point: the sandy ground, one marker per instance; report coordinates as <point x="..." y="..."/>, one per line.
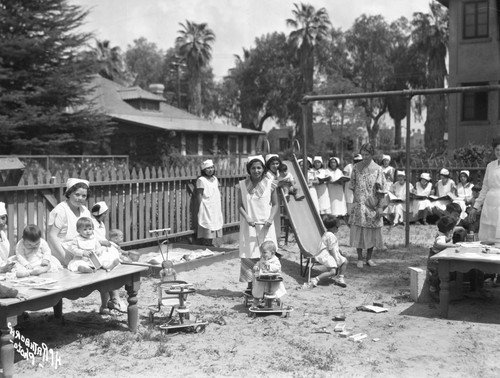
<point x="409" y="340"/>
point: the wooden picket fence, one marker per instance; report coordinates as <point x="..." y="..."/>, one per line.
<point x="138" y="200"/>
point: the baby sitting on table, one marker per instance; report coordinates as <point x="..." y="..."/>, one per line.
<point x="33" y="254"/>
<point x="84" y="245"/>
<point x="268" y="263"/>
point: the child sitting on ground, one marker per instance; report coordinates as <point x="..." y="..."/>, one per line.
<point x="167" y="272"/>
<point x="287" y="183"/>
<point x="83" y="246"/>
<point x="329" y="254"/>
<point x="33" y="254"/>
<point x="459" y="232"/>
<point x="442" y="240"/>
<point x="268" y="263"/>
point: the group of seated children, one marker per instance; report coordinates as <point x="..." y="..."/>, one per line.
<point x="430" y="199"/>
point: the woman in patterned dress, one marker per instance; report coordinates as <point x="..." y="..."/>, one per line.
<point x="258" y="204"/>
<point x="366" y="226"/>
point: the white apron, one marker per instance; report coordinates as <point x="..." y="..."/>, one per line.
<point x="259" y="209"/>
<point x="210" y="213"/>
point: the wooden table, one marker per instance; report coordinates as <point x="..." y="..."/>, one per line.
<point x="462" y="259"/>
<point x="69" y="285"/>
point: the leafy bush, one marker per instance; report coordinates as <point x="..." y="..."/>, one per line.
<point x="474" y="154"/>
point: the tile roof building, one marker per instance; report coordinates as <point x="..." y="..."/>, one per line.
<point x="147" y="128"/>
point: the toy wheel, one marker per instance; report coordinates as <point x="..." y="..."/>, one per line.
<point x="199" y="329"/>
<point x="151" y="316"/>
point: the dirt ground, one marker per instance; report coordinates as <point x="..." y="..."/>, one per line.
<point x="409" y="340"/>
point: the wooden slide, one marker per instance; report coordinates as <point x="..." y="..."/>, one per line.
<point x="304" y="219"/>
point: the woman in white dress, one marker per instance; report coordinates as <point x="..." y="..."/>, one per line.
<point x="63" y="218"/>
<point x="321" y="178"/>
<point x="488" y="201"/>
<point x="336" y="188"/>
<point x="210" y="219"/>
<point x="388" y="170"/>
<point x="397" y="209"/>
<point x="443" y="187"/>
<point x="258" y="204"/>
<point x="6" y="264"/>
<point x="464" y="192"/>
<point x="422" y="206"/>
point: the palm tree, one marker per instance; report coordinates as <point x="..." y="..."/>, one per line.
<point x="311" y="27"/>
<point x="110" y="62"/>
<point x="430" y="41"/>
<point x="194" y="45"/>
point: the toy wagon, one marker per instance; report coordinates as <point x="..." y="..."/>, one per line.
<point x="172" y="295"/>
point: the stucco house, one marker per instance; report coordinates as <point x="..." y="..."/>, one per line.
<point x="147" y="128"/>
<point x="474" y="59"/>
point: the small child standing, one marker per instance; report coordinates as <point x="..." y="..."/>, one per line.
<point x="329" y="254"/>
<point x="442" y="240"/>
<point x="268" y="263"/>
<point x="167" y="272"/>
<point x="83" y="246"/>
<point x="33" y="254"/>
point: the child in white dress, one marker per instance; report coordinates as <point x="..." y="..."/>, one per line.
<point x="33" y="254"/>
<point x="83" y="246"/>
<point x="329" y="254"/>
<point x="268" y="263"/>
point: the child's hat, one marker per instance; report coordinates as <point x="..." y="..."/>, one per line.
<point x="73" y="181"/>
<point x="3" y="210"/>
<point x="99" y="208"/>
<point x="207" y="164"/>
<point x="256" y="157"/>
<point x="357" y="157"/>
<point x="465" y="172"/>
<point x="269" y="156"/>
<point x="425" y="176"/>
<point x="401" y="173"/>
<point x="318" y="158"/>
<point x="386" y="157"/>
<point x="444" y="172"/>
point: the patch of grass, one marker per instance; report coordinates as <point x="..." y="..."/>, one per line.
<point x="163" y="350"/>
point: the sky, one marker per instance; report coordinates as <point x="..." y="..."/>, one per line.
<point x="236" y="23"/>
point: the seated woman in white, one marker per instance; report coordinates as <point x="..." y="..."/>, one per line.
<point x="464" y="192"/>
<point x="398" y="189"/>
<point x="422" y="206"/>
<point x="445" y="186"/>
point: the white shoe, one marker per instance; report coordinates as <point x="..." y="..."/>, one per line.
<point x="371" y="263"/>
<point x="360" y="264"/>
